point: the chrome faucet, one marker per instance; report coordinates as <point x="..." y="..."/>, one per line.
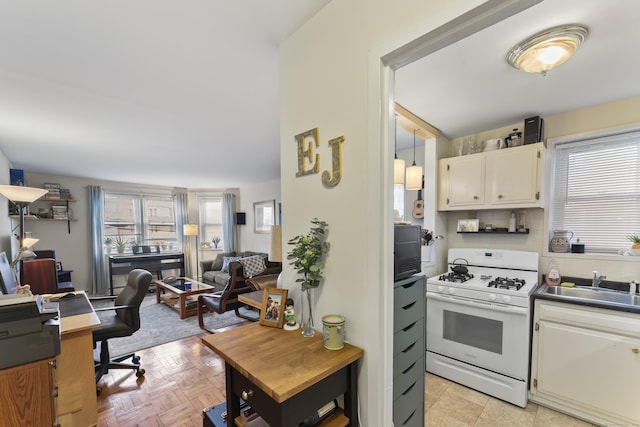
<point x="597" y="279"/>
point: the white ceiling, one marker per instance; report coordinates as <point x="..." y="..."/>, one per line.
<point x="185" y="93"/>
<point x="178" y="93"/>
<point x="468" y="87"/>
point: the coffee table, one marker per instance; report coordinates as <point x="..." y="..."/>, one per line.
<point x="180" y="299"/>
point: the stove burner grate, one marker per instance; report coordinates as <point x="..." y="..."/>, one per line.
<point x="456" y="277"/>
<point x="506" y="283"/>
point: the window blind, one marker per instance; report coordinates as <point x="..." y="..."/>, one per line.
<point x="596" y="190"/>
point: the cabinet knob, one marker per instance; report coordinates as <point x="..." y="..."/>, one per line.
<point x="475" y="197"/>
<point x="499" y="196"/>
<point x="635" y="350"/>
<point x="247" y="394"/>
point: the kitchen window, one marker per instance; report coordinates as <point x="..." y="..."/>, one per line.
<point x="142" y="219"/>
<point x="595" y="189"/>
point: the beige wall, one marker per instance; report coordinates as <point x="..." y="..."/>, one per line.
<point x="329" y="72"/>
<point x="619" y="268"/>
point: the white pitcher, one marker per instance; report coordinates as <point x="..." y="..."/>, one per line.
<point x="494" y="144"/>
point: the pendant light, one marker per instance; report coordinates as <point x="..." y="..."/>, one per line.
<point x="398" y="164"/>
<point x="414" y="173"/>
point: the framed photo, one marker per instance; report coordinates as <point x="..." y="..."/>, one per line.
<point x="264" y="216"/>
<point x="58" y="266"/>
<point x="272" y="313"/>
<point x="468" y="225"/>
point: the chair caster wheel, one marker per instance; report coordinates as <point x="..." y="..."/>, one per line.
<point x="140" y="373"/>
<point x="136" y="360"/>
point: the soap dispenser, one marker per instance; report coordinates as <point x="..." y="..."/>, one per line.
<point x="552" y="277"/>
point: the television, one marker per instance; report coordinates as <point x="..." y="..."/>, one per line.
<point x="406" y="251"/>
<point x="7" y="280"/>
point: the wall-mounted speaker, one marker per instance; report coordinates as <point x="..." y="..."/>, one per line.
<point x="241" y="218"/>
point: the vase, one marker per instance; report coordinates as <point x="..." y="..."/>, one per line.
<point x="307" y="314"/>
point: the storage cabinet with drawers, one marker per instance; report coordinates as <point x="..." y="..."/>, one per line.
<point x="409" y="351"/>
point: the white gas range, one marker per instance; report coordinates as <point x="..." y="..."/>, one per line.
<point x="478" y="320"/>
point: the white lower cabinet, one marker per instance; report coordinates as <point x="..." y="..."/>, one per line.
<point x="586" y="362"/>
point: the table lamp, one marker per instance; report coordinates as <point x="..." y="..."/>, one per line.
<point x="192" y="230"/>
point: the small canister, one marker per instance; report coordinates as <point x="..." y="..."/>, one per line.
<point x="187" y="286"/>
<point x="333" y="331"/>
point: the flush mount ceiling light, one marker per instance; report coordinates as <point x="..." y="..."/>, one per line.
<point x="547" y="49"/>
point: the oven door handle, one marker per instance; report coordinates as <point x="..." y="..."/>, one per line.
<point x="479" y="304"/>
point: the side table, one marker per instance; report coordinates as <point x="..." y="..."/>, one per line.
<point x="284" y="376"/>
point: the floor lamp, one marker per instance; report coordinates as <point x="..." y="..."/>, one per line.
<point x="275" y="254"/>
<point x="192" y="230"/>
<point x="22" y="197"/>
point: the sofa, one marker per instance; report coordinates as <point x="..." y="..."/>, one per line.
<point x="217" y="274"/>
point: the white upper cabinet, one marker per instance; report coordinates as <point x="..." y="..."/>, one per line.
<point x="507" y="178"/>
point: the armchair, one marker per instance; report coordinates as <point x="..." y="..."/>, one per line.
<point x="123" y="323"/>
<point x="222" y="301"/>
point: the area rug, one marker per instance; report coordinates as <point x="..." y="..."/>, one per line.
<point x="160" y="324"/>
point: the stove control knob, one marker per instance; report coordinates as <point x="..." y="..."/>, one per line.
<point x="506" y="298"/>
<point x="451" y="291"/>
<point x="440" y="289"/>
<point x="492" y="297"/>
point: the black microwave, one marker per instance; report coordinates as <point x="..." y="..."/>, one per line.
<point x="406" y="251"/>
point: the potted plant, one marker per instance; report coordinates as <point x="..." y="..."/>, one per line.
<point x="307" y="258"/>
<point x="108" y="244"/>
<point x="121" y="244"/>
<point x="635" y="247"/>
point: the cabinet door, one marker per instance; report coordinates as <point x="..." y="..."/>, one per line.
<point x="588" y="370"/>
<point x="462" y="182"/>
<point x="28" y="395"/>
<point x="513" y="176"/>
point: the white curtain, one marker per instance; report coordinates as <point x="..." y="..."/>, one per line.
<point x="228" y="222"/>
<point x="99" y="279"/>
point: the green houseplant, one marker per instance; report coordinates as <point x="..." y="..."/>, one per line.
<point x="307" y="258"/>
<point x="121" y="244"/>
<point x="108" y="244"/>
<point x="635" y="247"/>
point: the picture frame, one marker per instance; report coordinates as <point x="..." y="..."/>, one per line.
<point x="468" y="225"/>
<point x="272" y="313"/>
<point x="264" y="216"/>
<point x="58" y="266"/>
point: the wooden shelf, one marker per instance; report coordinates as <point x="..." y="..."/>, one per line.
<point x="37" y="218"/>
<point x="55" y="200"/>
<point x="497" y="231"/>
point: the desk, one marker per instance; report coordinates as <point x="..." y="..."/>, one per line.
<point x="75" y="372"/>
<point x="154" y="263"/>
<point x="284" y="376"/>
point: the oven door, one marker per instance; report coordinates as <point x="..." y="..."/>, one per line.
<point x="491" y="336"/>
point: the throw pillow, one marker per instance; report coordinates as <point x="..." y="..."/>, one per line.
<point x="253" y="265"/>
<point x="228" y="260"/>
<point x="217" y="263"/>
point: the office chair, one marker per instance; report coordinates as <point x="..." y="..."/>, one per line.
<point x="123" y="323"/>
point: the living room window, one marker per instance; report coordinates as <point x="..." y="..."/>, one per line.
<point x="144" y="219"/>
<point x="211" y="221"/>
<point x="595" y="189"/>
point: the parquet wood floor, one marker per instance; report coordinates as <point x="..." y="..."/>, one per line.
<point x="182" y="378"/>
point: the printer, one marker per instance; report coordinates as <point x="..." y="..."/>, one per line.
<point x="29" y="329"/>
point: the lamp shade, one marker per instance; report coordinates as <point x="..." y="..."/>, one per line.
<point x="190" y="229"/>
<point x="414" y="178"/>
<point x="29" y="241"/>
<point x="398" y="171"/>
<point x="275" y="254"/>
<point x="20" y="194"/>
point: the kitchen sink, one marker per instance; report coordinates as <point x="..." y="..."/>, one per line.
<point x="590" y="295"/>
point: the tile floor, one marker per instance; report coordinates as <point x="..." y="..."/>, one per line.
<point x="448" y="404"/>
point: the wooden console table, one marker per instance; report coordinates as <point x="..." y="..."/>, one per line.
<point x="154" y="263"/>
<point x="284" y="376"/>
